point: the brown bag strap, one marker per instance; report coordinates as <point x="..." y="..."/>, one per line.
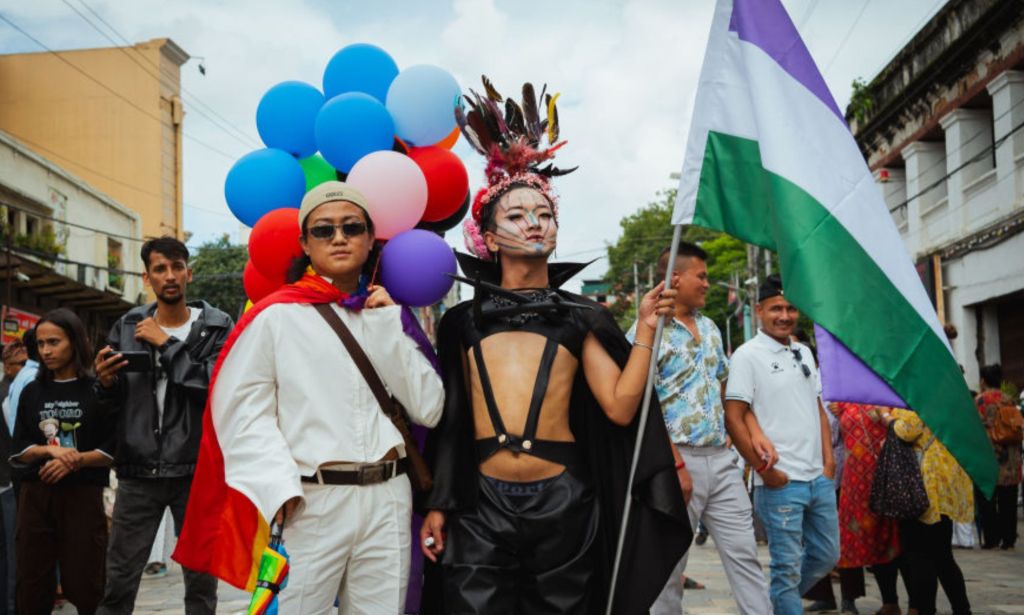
<point x="419" y="471"/>
<point x="361" y="360"/>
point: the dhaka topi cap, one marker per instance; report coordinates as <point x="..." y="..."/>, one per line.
<point x="771" y="287"/>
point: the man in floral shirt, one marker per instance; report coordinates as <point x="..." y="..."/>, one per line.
<point x="692" y="369"/>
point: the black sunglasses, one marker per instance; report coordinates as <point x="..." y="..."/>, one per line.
<point x="348" y="229"/>
<point x="799" y="359"/>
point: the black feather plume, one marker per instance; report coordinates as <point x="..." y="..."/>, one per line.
<point x="492" y="93"/>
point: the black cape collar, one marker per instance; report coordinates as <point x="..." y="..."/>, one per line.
<point x="489" y="271"/>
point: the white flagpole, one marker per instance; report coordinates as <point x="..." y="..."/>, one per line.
<point x="645" y="409"/>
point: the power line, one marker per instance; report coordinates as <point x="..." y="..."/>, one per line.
<point x="210" y="211"/>
<point x="57" y="259"/>
<point x="849" y="32"/>
<point x="228" y="129"/>
<point x="962" y="146"/>
<point x="913" y="32"/>
<point x="981" y="154"/>
<point x="807" y="15"/>
<point x="66" y="223"/>
<point x="624" y="241"/>
<point x="82" y="166"/>
<point x="111" y="90"/>
<point x="109" y="178"/>
<point x="114" y="179"/>
<point x="183" y="89"/>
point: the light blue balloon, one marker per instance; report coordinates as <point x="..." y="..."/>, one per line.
<point x="261" y="181"/>
<point x="422" y="100"/>
<point x="350" y="126"/>
<point x="360" y="68"/>
<point x="285" y="117"/>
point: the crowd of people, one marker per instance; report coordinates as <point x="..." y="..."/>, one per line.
<point x="295" y="423"/>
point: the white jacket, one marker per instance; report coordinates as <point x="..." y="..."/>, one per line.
<point x="288" y="398"/>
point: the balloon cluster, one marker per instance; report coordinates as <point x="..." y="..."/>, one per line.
<point x="389" y="133"/>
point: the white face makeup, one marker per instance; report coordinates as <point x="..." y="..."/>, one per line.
<point x="524" y="225"/>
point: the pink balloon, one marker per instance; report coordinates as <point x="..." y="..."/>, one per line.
<point x="395" y="188"/>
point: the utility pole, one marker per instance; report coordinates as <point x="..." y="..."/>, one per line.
<point x="728" y="335"/>
<point x="650" y="275"/>
<point x="636" y="287"/>
<point x="10" y="278"/>
<point x="749" y="316"/>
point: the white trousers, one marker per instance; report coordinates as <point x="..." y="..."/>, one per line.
<point x="349" y="542"/>
<point x="721" y="502"/>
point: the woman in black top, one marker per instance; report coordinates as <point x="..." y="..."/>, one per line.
<point x="63" y="441"/>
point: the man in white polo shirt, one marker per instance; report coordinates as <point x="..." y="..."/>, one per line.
<point x="776" y="420"/>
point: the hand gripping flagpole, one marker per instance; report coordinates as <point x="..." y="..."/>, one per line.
<point x="645" y="410"/>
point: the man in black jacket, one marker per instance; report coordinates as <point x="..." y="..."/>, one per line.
<point x="159" y="423"/>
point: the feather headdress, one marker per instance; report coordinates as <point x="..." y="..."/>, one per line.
<point x="516" y="142"/>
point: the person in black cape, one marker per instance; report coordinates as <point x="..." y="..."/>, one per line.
<point x="532" y="457"/>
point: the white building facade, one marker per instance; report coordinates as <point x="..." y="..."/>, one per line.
<point x="944" y="136"/>
<point x="65" y="243"/>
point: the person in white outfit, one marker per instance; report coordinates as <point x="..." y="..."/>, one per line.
<point x="302" y="434"/>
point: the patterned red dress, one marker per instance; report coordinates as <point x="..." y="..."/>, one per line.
<point x="865" y="538"/>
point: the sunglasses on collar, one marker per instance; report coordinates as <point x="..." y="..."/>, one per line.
<point x="327" y="231"/>
<point x="799" y="359"/>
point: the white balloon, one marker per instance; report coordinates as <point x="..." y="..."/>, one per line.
<point x="394" y="187"/>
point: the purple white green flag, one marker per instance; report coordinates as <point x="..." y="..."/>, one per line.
<point x="770" y="160"/>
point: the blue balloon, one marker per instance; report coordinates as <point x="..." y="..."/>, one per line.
<point x="285" y="117"/>
<point x="262" y="181"/>
<point x="422" y="100"/>
<point x="351" y="126"/>
<point x="360" y="68"/>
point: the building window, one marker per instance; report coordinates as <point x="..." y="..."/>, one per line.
<point x="115" y="274"/>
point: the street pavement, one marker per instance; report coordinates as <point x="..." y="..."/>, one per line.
<point x="995" y="585"/>
<point x="995" y="582"/>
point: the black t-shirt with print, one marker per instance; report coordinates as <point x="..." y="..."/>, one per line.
<point x="65" y="413"/>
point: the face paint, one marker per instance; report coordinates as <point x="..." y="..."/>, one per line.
<point x="525" y="224"/>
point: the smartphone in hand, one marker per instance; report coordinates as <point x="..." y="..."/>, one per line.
<point x="137" y="360"/>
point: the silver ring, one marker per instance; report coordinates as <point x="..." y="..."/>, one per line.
<point x="428" y="541"/>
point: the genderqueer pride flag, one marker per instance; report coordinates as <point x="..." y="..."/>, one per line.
<point x="770" y="160"/>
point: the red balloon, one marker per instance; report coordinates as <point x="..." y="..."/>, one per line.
<point x="274" y="242"/>
<point x="447" y="181"/>
<point x="258" y="286"/>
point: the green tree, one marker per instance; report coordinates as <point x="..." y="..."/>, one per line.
<point x="645" y="234"/>
<point x="217" y="275"/>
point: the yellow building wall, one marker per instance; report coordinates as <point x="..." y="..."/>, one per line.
<point x="122" y="135"/>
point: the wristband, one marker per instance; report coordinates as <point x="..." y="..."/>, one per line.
<point x="680" y="465"/>
<point x="643" y="345"/>
<point x="162" y="348"/>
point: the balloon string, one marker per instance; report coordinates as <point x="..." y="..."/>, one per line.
<point x="373" y="276"/>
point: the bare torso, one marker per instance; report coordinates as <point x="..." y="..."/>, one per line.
<point x="512" y="360"/>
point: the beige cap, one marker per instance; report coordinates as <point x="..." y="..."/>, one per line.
<point x="327" y="192"/>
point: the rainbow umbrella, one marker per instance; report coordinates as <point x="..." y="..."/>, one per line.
<point x="272" y="577"/>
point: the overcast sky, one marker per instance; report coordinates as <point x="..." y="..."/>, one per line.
<point x="626" y="69"/>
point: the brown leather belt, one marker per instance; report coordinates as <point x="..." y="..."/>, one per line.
<point x="361" y="473"/>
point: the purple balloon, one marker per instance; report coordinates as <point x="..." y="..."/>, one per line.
<point x="415" y="267"/>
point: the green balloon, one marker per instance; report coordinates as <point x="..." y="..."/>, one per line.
<point x="317" y="171"/>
